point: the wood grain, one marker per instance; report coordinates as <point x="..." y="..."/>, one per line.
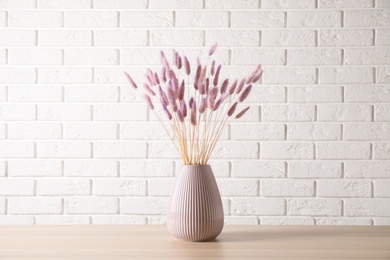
<point x="154" y="242"/>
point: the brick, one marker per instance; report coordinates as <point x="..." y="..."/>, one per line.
<point x="320" y="132"/>
<point x="3" y="131"/>
<point x="144" y="205"/>
<point x="17" y="149"/>
<point x="16" y="187"/>
<point x="291" y="4"/>
<point x="289" y="150"/>
<point x="343" y="188"/>
<point x="36" y="93"/>
<point x="92" y="94"/>
<point x="367" y="18"/>
<point x="35" y="19"/>
<point x="201" y="19"/>
<point x="91" y="168"/>
<point x="3" y="93"/>
<point x="120" y="4"/>
<point x="234" y="37"/>
<point x="259" y="132"/>
<point x="288" y="38"/>
<point x="91" y="205"/>
<point x="122" y="112"/>
<point x="367" y="207"/>
<point x="114" y="75"/>
<point x="148" y="168"/>
<point x="383" y="74"/>
<point x="3" y="56"/>
<point x="318" y="56"/>
<point x="315" y="94"/>
<point x="36" y="130"/>
<point x="157" y="220"/>
<point x="37" y="205"/>
<point x="365" y="56"/>
<point x="339" y="150"/>
<point x="21" y="4"/>
<point x="162" y="150"/>
<point x="292" y="76"/>
<point x="253" y="56"/>
<point x="382" y="36"/>
<point x="368" y="94"/>
<point x="34" y="168"/>
<point x="237" y="187"/>
<point x="16" y="38"/>
<point x="367" y="132"/>
<point x="119" y="220"/>
<point x="64" y="4"/>
<point x="345" y="4"/>
<point x="17" y="220"/>
<point x="119" y="149"/>
<point x="343" y="221"/>
<point x="3" y="206"/>
<point x="382" y="3"/>
<point x="277" y="113"/>
<point x="382" y="113"/>
<point x="70" y="75"/>
<point x="287" y="188"/>
<point x="222" y="56"/>
<point x="231" y="220"/>
<point x="286" y="221"/>
<point x="258" y="206"/>
<point x="121" y="37"/>
<point x="346" y="37"/>
<point x="344" y="113"/>
<point x="62" y="220"/>
<point x="10" y="112"/>
<point x="3" y="168"/>
<point x="160" y="187"/>
<point x="230" y="4"/>
<point x="175" y="4"/>
<point x="142" y="131"/>
<point x="367" y="169"/>
<point x="63" y="187"/>
<point x="64" y="112"/>
<point x="382" y="150"/>
<point x="142" y="56"/>
<point x="64" y="38"/>
<point x="315" y="169"/>
<point x="236" y="150"/>
<point x="93" y="57"/>
<point x="91" y="19"/>
<point x="189" y="38"/>
<point x="348" y="75"/>
<point x="382" y="188"/>
<point x="89" y="131"/>
<point x="381" y="221"/>
<point x="256" y="19"/>
<point x="63" y="149"/>
<point x="18" y="75"/>
<point x="267" y="94"/>
<point x="149" y="19"/>
<point x="314" y="207"/>
<point x="119" y="187"/>
<point x="314" y="19"/>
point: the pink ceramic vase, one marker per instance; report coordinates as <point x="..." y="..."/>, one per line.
<point x="195" y="210"/>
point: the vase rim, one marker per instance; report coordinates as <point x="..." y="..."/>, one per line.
<point x="196" y="165"/>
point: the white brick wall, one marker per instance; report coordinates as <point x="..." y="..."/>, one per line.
<point x="78" y="147"/>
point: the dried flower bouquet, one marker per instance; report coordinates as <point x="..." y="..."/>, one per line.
<point x="197" y="111"/>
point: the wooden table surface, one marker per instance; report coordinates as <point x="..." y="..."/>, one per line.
<point x="154" y="242"/>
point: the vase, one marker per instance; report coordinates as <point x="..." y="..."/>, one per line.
<point x="195" y="211"/>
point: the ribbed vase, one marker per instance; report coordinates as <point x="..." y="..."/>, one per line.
<point x="195" y="210"/>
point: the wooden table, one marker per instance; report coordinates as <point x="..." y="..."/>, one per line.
<point x="154" y="242"/>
